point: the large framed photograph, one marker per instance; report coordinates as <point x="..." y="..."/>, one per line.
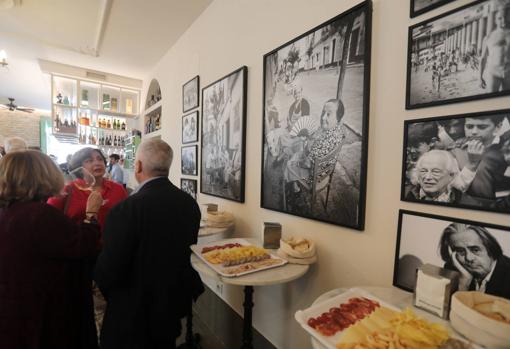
<point x="478" y="251"/>
<point x="190" y="94"/>
<point x="224" y="136"/>
<point x="314" y="145"/>
<point x="189" y="186"/>
<point x="189" y="160"/>
<point x="459" y="55"/>
<point x="419" y="7"/>
<point x="459" y="161"/>
<point x="190" y="128"/>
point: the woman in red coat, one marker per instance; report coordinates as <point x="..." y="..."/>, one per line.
<point x="73" y="205"/>
<point x="94" y="162"/>
<point x="41" y="297"/>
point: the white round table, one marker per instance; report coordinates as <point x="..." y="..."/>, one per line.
<point x="209" y="231"/>
<point x="273" y="276"/>
<point x="391" y="295"/>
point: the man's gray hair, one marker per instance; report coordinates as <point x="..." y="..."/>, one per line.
<point x="452" y="165"/>
<point x="156" y="157"/>
<point x="12" y="144"/>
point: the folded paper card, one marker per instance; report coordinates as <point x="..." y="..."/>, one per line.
<point x="434" y="289"/>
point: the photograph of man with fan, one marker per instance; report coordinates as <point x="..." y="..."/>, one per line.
<point x="315" y="122"/>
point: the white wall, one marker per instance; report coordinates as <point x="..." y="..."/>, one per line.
<point x="232" y="33"/>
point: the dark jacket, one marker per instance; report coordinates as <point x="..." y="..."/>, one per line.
<point x="499" y="283"/>
<point x="144" y="270"/>
<point x="43" y="294"/>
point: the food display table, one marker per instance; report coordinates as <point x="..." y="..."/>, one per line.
<point x="274" y="276"/>
<point x="391" y="295"/>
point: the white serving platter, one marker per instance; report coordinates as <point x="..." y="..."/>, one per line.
<point x="316" y="310"/>
<point x="220" y="269"/>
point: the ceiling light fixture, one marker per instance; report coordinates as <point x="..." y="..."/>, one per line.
<point x="3" y="59"/>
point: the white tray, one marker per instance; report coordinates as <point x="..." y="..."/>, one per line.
<point x="197" y="249"/>
<point x="315" y="310"/>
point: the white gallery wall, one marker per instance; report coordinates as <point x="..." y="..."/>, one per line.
<point x="233" y="33"/>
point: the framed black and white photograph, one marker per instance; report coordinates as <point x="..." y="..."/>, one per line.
<point x="189" y="160"/>
<point x="478" y="251"/>
<point x="190" y="128"/>
<point x="315" y="127"/>
<point x="459" y="55"/>
<point x="419" y="7"/>
<point x="189" y="186"/>
<point x="459" y="161"/>
<point x="224" y="136"/>
<point x="190" y="94"/>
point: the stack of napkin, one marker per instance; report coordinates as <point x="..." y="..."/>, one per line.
<point x="297" y="250"/>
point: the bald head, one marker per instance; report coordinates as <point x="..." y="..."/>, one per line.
<point x="13" y="144"/>
<point x="153" y="158"/>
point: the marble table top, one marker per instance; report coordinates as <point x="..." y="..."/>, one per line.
<point x="208" y="231"/>
<point x="273" y="276"/>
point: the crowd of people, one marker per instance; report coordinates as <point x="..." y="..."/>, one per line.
<point x="65" y="246"/>
<point x="460" y="161"/>
<point x="304" y="149"/>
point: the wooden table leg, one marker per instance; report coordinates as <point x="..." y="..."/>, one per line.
<point x="247" y="323"/>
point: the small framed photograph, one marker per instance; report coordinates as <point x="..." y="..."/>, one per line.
<point x="478" y="251"/>
<point x="190" y="128"/>
<point x="457" y="56"/>
<point x="189" y="160"/>
<point x="224" y="136"/>
<point x="419" y="7"/>
<point x="190" y="94"/>
<point x="189" y="186"/>
<point x="458" y="161"/>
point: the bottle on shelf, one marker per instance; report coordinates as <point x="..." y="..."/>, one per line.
<point x="108" y="124"/>
<point x="123" y="126"/>
<point x="152" y="101"/>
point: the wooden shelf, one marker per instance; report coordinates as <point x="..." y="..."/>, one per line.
<point x="98" y="111"/>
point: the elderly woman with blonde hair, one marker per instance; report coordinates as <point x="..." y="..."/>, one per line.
<point x="42" y="298"/>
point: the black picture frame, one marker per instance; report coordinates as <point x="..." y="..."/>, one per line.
<point x="189" y="186"/>
<point x="449" y="72"/>
<point x="417" y="9"/>
<point x="190" y="95"/>
<point x="420" y="241"/>
<point x="189" y="164"/>
<point x="223" y="145"/>
<point x="288" y="70"/>
<point x="488" y="186"/>
<point x="190" y="127"/>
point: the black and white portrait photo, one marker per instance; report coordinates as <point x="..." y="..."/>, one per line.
<point x="190" y="128"/>
<point x="189" y="186"/>
<point x="460" y="161"/>
<point x="223" y="136"/>
<point x="419" y="7"/>
<point x="315" y="121"/>
<point x="478" y="251"/>
<point x="189" y="160"/>
<point x="190" y="94"/>
<point x="460" y="55"/>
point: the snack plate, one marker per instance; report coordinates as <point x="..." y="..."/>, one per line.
<point x="315" y="310"/>
<point x="330" y="342"/>
<point x="220" y="269"/>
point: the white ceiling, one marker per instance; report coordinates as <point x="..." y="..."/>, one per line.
<point x="137" y="33"/>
